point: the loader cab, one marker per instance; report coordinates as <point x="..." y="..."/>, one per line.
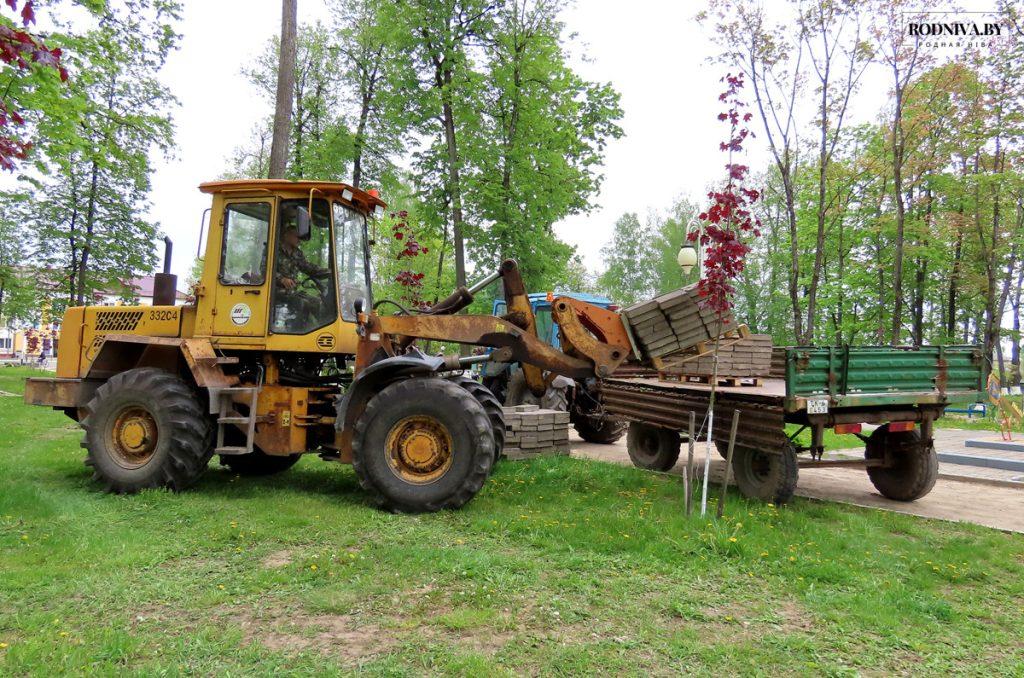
<point x="286" y="265"/>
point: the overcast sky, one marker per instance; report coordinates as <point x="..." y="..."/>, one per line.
<point x="652" y="51"/>
<point x="654" y="54"/>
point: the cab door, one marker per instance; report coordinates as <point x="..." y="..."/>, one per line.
<point x="242" y="294"/>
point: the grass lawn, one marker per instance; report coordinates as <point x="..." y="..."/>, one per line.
<point x="558" y="566"/>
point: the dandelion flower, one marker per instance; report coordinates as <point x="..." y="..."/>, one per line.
<point x="313" y="567"/>
<point x="732" y="539"/>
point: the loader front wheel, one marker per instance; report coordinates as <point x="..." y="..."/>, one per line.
<point x="422" y="444"/>
<point x="145" y="428"/>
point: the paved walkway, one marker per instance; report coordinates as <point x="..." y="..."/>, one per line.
<point x="957" y="498"/>
<point x="953" y="441"/>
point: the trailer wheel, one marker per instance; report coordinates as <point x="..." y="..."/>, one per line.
<point x="915" y="467"/>
<point x="768" y="476"/>
<point x="603" y="430"/>
<point x="422" y="444"/>
<point x="723" y="449"/>
<point x="652" y="447"/>
<point x="145" y="428"/>
<point x="258" y="463"/>
<point x="491" y="405"/>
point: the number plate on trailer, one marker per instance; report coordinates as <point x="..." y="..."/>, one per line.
<point x="817" y="406"/>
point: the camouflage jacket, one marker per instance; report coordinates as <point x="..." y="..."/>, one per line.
<point x="292" y="262"/>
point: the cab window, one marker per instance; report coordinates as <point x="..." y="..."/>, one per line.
<point x="303" y="296"/>
<point x="353" y="268"/>
<point x="545" y="324"/>
<point x="244" y="249"/>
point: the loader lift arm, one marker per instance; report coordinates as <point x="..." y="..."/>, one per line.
<point x="595" y="341"/>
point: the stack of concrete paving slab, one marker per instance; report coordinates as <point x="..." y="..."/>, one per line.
<point x="748" y="357"/>
<point x="531" y="432"/>
<point x="674" y="322"/>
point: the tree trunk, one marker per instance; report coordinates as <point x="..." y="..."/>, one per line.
<point x="444" y="77"/>
<point x="1016" y="344"/>
<point x="285" y="87"/>
<point x="90" y="222"/>
<point x="365" y="105"/>
<point x="819" y="245"/>
<point x="794" y="253"/>
<point x="954" y="279"/>
<point x="897" y="189"/>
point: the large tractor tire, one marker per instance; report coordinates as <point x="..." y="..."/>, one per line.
<point x="490" y="403"/>
<point x="602" y="430"/>
<point x="914" y="469"/>
<point x="768" y="476"/>
<point x="258" y="463"/>
<point x="422" y="444"/>
<point x="652" y="447"/>
<point x="145" y="428"/>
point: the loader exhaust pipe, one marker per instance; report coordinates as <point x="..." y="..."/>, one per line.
<point x="165" y="285"/>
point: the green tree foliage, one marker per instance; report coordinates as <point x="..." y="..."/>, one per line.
<point x="17" y="284"/>
<point x="629" y="258"/>
<point x="86" y="226"/>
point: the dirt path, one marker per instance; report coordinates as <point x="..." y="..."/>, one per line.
<point x="989" y="505"/>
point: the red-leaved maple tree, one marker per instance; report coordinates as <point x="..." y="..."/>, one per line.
<point x="411" y="281"/>
<point x="729" y="218"/>
<point x="21" y="49"/>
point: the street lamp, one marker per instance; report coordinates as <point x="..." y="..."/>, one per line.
<point x="690" y="256"/>
<point x="687" y="258"/>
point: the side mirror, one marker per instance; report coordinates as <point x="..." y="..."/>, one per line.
<point x="302" y="222"/>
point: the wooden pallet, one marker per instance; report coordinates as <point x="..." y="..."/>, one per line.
<point x="705" y="379"/>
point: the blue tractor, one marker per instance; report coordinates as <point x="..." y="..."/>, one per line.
<point x="578" y="398"/>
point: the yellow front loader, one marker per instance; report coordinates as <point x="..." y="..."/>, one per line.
<point x="283" y="353"/>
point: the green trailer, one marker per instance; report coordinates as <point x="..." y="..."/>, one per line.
<point x="901" y="390"/>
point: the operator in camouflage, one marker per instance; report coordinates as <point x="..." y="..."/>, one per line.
<point x="290" y="263"/>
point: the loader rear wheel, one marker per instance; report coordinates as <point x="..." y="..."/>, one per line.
<point x="765" y="475"/>
<point x="258" y="463"/>
<point x="422" y="444"/>
<point x="491" y="405"/>
<point x="145" y="428"/>
<point x="914" y="465"/>
<point x="652" y="447"/>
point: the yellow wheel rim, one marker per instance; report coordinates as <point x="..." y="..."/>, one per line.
<point x="419" y="449"/>
<point x="133" y="437"/>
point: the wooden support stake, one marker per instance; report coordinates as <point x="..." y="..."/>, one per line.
<point x="728" y="461"/>
<point x="688" y="478"/>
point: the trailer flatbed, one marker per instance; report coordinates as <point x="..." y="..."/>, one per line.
<point x="902" y="390"/>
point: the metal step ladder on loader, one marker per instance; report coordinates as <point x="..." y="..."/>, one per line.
<point x="222" y="403"/>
